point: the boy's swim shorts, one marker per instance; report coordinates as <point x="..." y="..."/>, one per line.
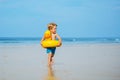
<point x="51" y="50"/>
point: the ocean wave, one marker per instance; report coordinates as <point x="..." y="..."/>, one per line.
<point x="81" y="40"/>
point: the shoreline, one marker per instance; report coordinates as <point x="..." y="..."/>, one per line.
<point x="63" y="43"/>
<point x="76" y="61"/>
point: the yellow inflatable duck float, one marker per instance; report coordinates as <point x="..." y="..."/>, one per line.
<point x="48" y="42"/>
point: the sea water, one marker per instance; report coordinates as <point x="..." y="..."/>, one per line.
<point x="30" y="40"/>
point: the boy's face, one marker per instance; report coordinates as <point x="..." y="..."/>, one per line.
<point x="53" y="30"/>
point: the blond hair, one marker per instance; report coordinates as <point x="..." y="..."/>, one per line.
<point x="51" y="25"/>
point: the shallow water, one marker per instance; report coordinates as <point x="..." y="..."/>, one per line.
<point x="71" y="62"/>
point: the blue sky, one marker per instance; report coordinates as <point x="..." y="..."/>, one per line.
<point x="75" y="18"/>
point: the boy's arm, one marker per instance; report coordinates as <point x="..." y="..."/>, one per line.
<point x="59" y="39"/>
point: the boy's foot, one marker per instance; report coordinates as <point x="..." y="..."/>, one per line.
<point x="49" y="64"/>
<point x="52" y="62"/>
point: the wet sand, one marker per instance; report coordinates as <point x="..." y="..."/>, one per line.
<point x="71" y="62"/>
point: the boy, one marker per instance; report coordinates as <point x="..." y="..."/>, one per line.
<point x="53" y="35"/>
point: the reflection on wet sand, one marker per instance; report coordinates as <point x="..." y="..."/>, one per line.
<point x="51" y="74"/>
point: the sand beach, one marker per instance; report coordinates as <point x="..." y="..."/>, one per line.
<point x="96" y="61"/>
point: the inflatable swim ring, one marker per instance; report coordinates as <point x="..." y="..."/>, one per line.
<point x="47" y="35"/>
<point x="49" y="43"/>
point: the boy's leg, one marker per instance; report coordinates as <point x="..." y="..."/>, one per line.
<point x="51" y="52"/>
<point x="52" y="58"/>
<point x="49" y="58"/>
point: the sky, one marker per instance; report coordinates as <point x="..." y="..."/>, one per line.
<point x="75" y="18"/>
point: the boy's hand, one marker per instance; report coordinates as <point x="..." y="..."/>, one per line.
<point x="59" y="44"/>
